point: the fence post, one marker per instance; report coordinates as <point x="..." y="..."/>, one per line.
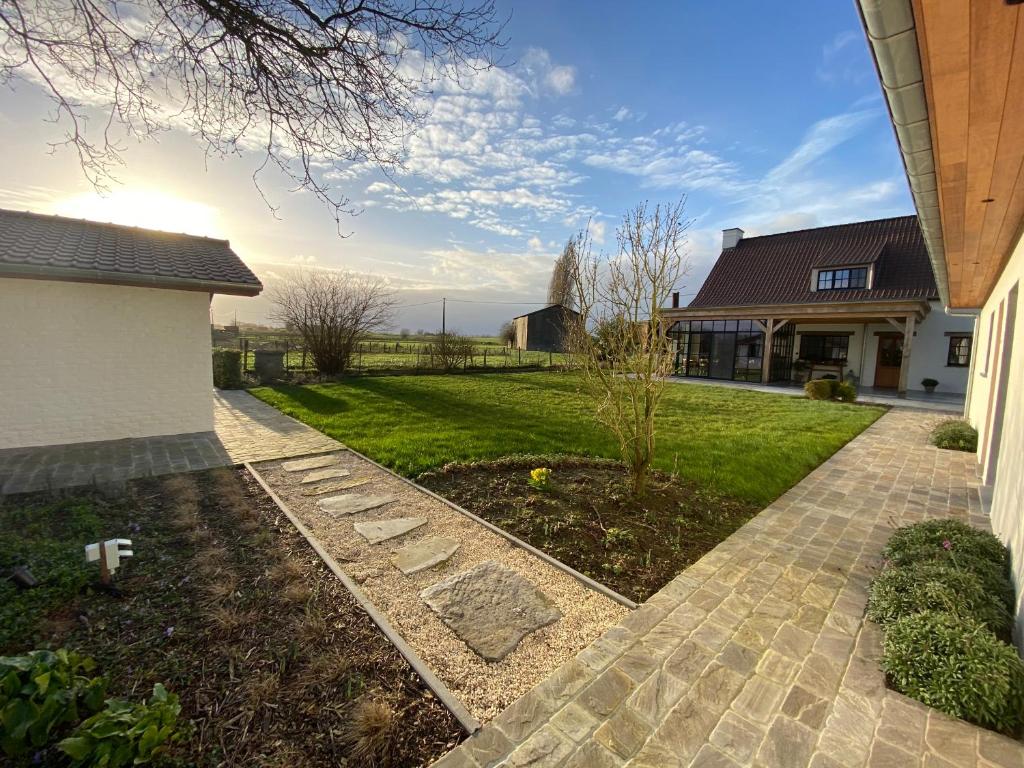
<point x="303" y="358"/>
<point x="550" y="357"/>
<point x="520" y="356"/>
<point x="485" y="357"/>
<point x="286" y="355"/>
<point x="245" y="355"/>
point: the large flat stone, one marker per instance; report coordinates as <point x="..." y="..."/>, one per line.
<point x="425" y="554"/>
<point x="313" y="462"/>
<point x="491" y="608"/>
<point x="351" y="503"/>
<point x="325" y="474"/>
<point x="341" y="485"/>
<point x="377" y="531"/>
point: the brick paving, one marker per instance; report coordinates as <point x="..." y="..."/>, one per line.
<point x="759" y="653"/>
<point x="246" y="430"/>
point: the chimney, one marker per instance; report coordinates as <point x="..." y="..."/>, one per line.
<point x="731" y="237"/>
<point x="675" y="300"/>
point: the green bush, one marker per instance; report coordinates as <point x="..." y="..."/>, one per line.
<point x="934" y="586"/>
<point x="819" y="389"/>
<point x="125" y="733"/>
<point x="844" y="391"/>
<point x="41" y="691"/>
<point x="227" y="369"/>
<point x="957" y="666"/>
<point x="955" y="435"/>
<point x="938" y="539"/>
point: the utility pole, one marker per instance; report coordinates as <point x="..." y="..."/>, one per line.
<point x="444" y="311"/>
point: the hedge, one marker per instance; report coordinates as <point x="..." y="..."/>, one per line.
<point x="830" y="389"/>
<point x="955" y="435"/>
<point x="227" y="369"/>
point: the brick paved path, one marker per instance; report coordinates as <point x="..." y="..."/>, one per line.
<point x="246" y="430"/>
<point x="758" y="654"/>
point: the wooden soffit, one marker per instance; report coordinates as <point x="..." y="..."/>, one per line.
<point x="972" y="60"/>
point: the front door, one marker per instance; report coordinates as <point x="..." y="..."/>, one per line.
<point x="890" y="355"/>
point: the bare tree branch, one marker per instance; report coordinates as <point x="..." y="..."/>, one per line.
<point x="314" y="86"/>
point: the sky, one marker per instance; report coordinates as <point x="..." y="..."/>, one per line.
<point x="767" y="116"/>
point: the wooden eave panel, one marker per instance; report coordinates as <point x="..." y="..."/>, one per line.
<point x="972" y="56"/>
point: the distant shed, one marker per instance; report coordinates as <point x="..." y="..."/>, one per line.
<point x="545" y="330"/>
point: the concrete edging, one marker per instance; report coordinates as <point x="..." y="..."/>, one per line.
<point x="583" y="579"/>
<point x="445" y="696"/>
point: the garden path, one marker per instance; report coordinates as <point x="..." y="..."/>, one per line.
<point x="759" y="653"/>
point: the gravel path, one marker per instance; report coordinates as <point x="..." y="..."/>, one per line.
<point x="484" y="688"/>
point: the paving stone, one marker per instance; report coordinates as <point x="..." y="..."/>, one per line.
<point x="456" y="758"/>
<point x="884" y="755"/>
<point x="689" y="661"/>
<point x="759" y="699"/>
<point x="376" y="531"/>
<point x="739" y="658"/>
<point x="848" y="730"/>
<point x="325" y="474"/>
<point x="491" y="608"/>
<point x="593" y="755"/>
<point x="737" y="737"/>
<point x="657" y="695"/>
<point x="717" y="687"/>
<point x="787" y="743"/>
<point x="314" y="462"/>
<point x="353" y="503"/>
<point x="487" y="747"/>
<point x="545" y="749"/>
<point x="686" y="728"/>
<point x="999" y="750"/>
<point x="709" y="757"/>
<point x="954" y="740"/>
<point x="574" y="721"/>
<point x="320" y="490"/>
<point x="805" y="707"/>
<point x="524" y="716"/>
<point x="638" y="662"/>
<point x="606" y="693"/>
<point x="777" y="667"/>
<point x="793" y="642"/>
<point x="425" y="554"/>
<point x="623" y="733"/>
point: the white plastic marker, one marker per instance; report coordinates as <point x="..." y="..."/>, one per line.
<point x="109" y="553"/>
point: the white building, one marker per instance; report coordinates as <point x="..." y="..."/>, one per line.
<point x="854" y="301"/>
<point x="105" y="330"/>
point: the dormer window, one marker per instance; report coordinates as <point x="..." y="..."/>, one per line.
<point x="838" y="279"/>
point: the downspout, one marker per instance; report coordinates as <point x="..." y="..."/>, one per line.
<point x="892" y="34"/>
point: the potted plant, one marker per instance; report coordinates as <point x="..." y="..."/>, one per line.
<point x="929" y="384"/>
<point x="800" y="371"/>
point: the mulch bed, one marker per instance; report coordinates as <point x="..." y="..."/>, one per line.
<point x="227" y="605"/>
<point x="589" y="521"/>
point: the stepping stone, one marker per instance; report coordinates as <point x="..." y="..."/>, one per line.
<point x="350" y="503"/>
<point x="491" y="608"/>
<point x="377" y="531"/>
<point x="314" y="462"/>
<point x="425" y="554"/>
<point x="325" y="474"/>
<point x="333" y="487"/>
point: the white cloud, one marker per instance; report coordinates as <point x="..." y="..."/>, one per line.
<point x="561" y="79"/>
<point x="597" y="232"/>
<point x="622" y="114"/>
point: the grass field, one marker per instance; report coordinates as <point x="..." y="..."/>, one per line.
<point x="745" y="444"/>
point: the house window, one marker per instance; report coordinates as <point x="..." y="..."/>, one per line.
<point x="959" y="351"/>
<point x="824" y="349"/>
<point x="838" y="279"/>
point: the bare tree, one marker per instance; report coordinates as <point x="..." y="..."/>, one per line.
<point x="507" y="333"/>
<point x="332" y="311"/>
<point x="314" y="87"/>
<point x="560" y="288"/>
<point x="619" y="343"/>
<point x="450" y="350"/>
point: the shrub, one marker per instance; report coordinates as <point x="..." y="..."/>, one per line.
<point x="845" y="392"/>
<point x="227" y="369"/>
<point x="125" y="733"/>
<point x="540" y="478"/>
<point x="41" y="691"/>
<point x="929" y="382"/>
<point x="934" y="586"/>
<point x="819" y="389"/>
<point x="938" y="539"/>
<point x="955" y="435"/>
<point x="957" y="666"/>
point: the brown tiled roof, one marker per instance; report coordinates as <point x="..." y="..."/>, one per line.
<point x="776" y="269"/>
<point x="58" y="248"/>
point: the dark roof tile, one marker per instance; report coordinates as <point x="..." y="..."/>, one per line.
<point x="776" y="269"/>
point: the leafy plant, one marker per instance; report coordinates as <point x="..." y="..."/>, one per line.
<point x="614" y="537"/>
<point x="540" y="479"/>
<point x="39" y="692"/>
<point x="227" y="369"/>
<point x="935" y="586"/>
<point x="125" y="733"/>
<point x="819" y="389"/>
<point x="844" y="392"/>
<point x="941" y="539"/>
<point x="829" y="388"/>
<point x="958" y="666"/>
<point x="929" y="382"/>
<point x="955" y="435"/>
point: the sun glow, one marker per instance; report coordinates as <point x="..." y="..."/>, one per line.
<point x="141" y="207"/>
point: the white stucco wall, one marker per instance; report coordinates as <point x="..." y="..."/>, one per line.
<point x="1006" y="475"/>
<point x="82" y="362"/>
<point x="928" y="356"/>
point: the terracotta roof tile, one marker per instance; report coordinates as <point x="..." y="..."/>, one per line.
<point x="776" y="269"/>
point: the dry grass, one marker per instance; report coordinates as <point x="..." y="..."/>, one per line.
<point x="331" y="666"/>
<point x="371" y="731"/>
<point x="221" y="588"/>
<point x="228" y="618"/>
<point x="261" y="688"/>
<point x="297" y="592"/>
<point x="287" y="570"/>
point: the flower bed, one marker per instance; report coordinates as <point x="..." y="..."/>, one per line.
<point x="944" y="601"/>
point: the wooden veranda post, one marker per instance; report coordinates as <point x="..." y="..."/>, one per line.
<point x="908" y="344"/>
<point x="769" y="327"/>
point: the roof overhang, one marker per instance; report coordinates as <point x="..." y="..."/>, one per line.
<point x="953" y="74"/>
<point x="856" y="311"/>
<point x="59" y="274"/>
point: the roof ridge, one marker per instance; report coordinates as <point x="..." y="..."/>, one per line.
<point x="829" y="226"/>
<point x="110" y="224"/>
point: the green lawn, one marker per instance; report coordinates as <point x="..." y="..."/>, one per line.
<point x="746" y="444"/>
